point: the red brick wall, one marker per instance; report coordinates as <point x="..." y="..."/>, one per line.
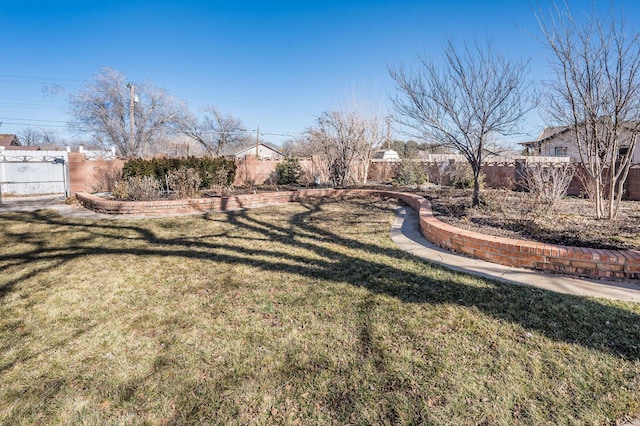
<point x="497" y="176"/>
<point x="84" y="174"/>
<point x="510" y="252"/>
<point x="254" y="171"/>
<point x="633" y="183"/>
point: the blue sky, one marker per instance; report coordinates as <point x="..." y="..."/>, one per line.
<point x="273" y="64"/>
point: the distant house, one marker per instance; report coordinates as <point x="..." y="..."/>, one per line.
<point x="385" y="155"/>
<point x="260" y="150"/>
<point x="11" y="142"/>
<point x="560" y="142"/>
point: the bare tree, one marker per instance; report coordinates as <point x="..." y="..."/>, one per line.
<point x="29" y="136"/>
<point x="215" y="131"/>
<point x="102" y="108"/>
<point x="476" y="94"/>
<point x="346" y="140"/>
<point x="596" y="93"/>
<point x="44" y="138"/>
<point x="49" y="139"/>
<point x="299" y="146"/>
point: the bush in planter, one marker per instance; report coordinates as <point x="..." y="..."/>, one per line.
<point x="288" y="172"/>
<point x="410" y="172"/>
<point x="185" y="182"/>
<point x="138" y="188"/>
<point x="208" y="168"/>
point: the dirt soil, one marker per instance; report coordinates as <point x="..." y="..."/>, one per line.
<point x="514" y="215"/>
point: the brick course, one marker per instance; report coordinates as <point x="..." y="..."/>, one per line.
<point x="594" y="263"/>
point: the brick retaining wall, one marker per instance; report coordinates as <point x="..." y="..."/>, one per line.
<point x="595" y="263"/>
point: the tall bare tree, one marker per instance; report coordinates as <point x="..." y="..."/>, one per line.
<point x="214" y="131"/>
<point x="476" y="93"/>
<point x="596" y="93"/>
<point x="102" y="108"/>
<point x="346" y="140"/>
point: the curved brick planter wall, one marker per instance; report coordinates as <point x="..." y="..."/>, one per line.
<point x="505" y="251"/>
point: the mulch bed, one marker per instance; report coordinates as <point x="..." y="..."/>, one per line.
<point x="511" y="214"/>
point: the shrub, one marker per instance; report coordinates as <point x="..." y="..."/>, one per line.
<point x="410" y="173"/>
<point x="548" y="184"/>
<point x="138" y="188"/>
<point x="460" y="175"/>
<point x="207" y="168"/>
<point x="185" y="182"/>
<point x="220" y="180"/>
<point x="288" y="172"/>
<point x="120" y="190"/>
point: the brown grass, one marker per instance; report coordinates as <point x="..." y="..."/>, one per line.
<point x="298" y="314"/>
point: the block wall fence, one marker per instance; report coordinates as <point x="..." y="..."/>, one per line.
<point x="85" y="175"/>
<point x="594" y="263"/>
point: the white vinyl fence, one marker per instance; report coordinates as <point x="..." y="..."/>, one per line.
<point x="33" y="172"/>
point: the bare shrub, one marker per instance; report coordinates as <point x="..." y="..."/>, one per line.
<point x="521" y="211"/>
<point x="120" y="190"/>
<point x="138" y="188"/>
<point x="308" y="177"/>
<point x="106" y="178"/>
<point x="184" y="182"/>
<point x="220" y="180"/>
<point x="547" y="183"/>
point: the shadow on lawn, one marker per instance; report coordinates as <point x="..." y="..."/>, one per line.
<point x="577" y="320"/>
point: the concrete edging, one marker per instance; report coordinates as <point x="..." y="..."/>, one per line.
<point x="579" y="261"/>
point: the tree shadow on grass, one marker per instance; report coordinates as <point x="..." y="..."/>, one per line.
<point x="593" y="324"/>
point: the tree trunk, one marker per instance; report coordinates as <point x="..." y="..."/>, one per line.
<point x="475" y="198"/>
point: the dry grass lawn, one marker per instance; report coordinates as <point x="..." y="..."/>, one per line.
<point x="298" y="314"/>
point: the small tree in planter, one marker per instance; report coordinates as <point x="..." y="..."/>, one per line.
<point x="289" y="171"/>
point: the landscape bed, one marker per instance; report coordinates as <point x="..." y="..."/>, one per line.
<point x="272" y="315"/>
<point x="587" y="262"/>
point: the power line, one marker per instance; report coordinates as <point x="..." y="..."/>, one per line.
<point x="36" y="125"/>
<point x="24" y="77"/>
<point x="63" y="124"/>
<point x="39" y="80"/>
<point x="31" y="119"/>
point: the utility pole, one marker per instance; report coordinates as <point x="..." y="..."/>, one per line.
<point x="132" y="95"/>
<point x="388" y="120"/>
<point x="257" y="140"/>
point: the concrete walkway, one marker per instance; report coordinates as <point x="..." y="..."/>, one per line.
<point x="406" y="234"/>
<point x="53" y="202"/>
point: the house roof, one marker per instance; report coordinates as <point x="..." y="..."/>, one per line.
<point x="385" y="154"/>
<point x="21" y="148"/>
<point x="7" y="140"/>
<point x="11" y="142"/>
<point x="235" y="150"/>
<point x="546" y="134"/>
<point x="552" y="131"/>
